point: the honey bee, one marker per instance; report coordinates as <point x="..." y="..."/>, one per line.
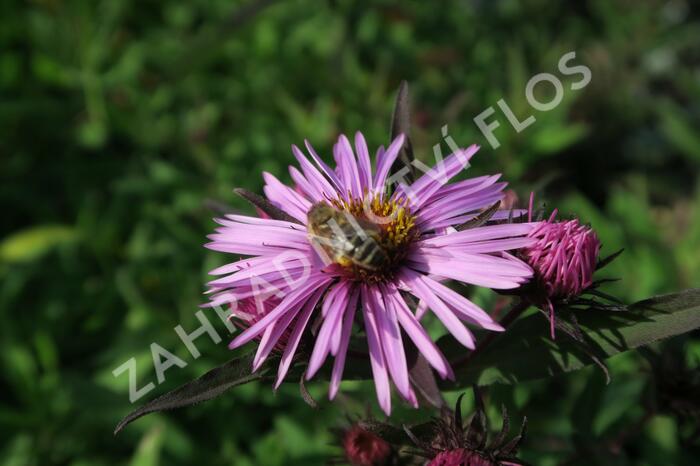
<point x="342" y="238"/>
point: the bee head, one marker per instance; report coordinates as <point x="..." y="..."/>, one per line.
<point x="320" y="213"/>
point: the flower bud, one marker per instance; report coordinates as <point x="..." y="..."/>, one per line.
<point x="460" y="457"/>
<point x="457" y="443"/>
<point x="564" y="257"/>
<point x="363" y="448"/>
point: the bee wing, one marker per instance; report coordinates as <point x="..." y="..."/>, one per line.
<point x="330" y="242"/>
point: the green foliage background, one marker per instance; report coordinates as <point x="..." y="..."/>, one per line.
<point x="120" y="121"/>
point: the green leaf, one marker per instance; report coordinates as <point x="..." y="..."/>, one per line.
<point x="557" y="137"/>
<point x="525" y="351"/>
<point x="212" y="384"/>
<point x="33" y="242"/>
<point x="149" y="450"/>
<point x="679" y="131"/>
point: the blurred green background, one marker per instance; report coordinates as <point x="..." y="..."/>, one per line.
<point x="123" y="122"/>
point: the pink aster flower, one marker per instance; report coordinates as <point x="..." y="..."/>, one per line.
<point x="403" y="242"/>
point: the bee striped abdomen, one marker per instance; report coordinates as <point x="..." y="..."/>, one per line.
<point x="370" y="254"/>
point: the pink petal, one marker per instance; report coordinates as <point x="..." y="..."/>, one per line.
<point x="299" y="294"/>
<point x="392" y="344"/>
<point x="314" y="176"/>
<point x="272" y="267"/>
<point x="334" y="304"/>
<point x="268" y="222"/>
<point x="428" y="184"/>
<point x="310" y="190"/>
<point x="419" y="287"/>
<point x="326" y="170"/>
<point x="295" y="337"/>
<point x="346" y="159"/>
<point x="465" y="306"/>
<point x="387" y="160"/>
<point x="271" y="336"/>
<point x="376" y="355"/>
<point x="468" y="186"/>
<point x="238" y="265"/>
<point x="497" y="245"/>
<point x="482" y="233"/>
<point x="285" y="198"/>
<point x="339" y="363"/>
<point x="459" y="204"/>
<point x="468" y="273"/>
<point x="420" y="337"/>
<point x="364" y="163"/>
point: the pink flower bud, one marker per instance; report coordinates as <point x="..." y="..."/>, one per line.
<point x="564" y="257"/>
<point x="460" y="457"/>
<point x="362" y="448"/>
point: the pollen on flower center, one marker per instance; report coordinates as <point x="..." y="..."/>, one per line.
<point x="392" y="217"/>
<point x="380" y="238"/>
